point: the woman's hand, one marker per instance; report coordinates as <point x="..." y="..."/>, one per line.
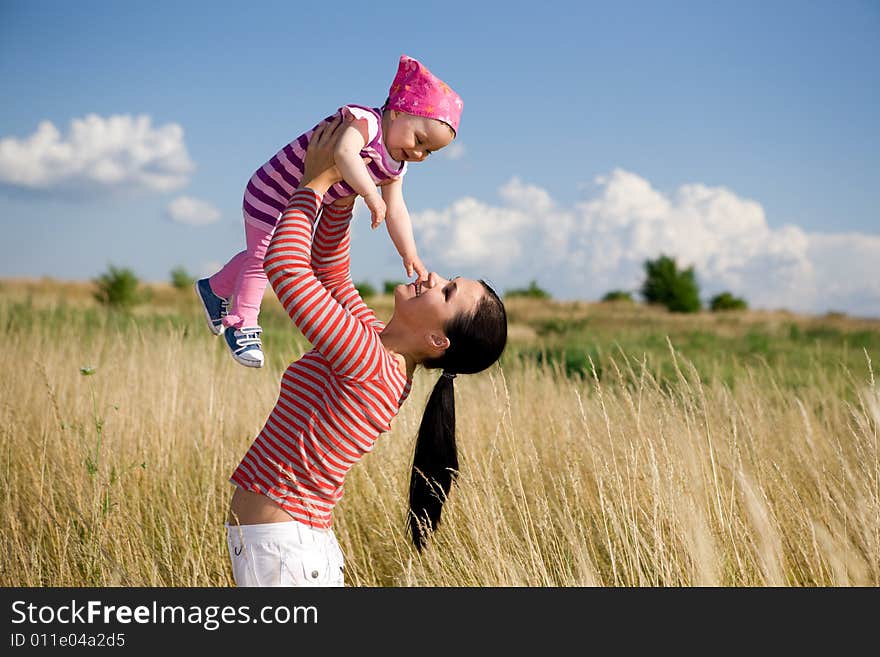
<point x="319" y="171"/>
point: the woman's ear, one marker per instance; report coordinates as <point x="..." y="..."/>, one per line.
<point x="439" y="342"/>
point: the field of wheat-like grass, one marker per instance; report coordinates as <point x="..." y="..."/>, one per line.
<point x="670" y="452"/>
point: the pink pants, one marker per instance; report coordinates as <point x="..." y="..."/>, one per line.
<point x="243" y="279"/>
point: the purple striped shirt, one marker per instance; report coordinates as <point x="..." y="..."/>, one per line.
<point x="273" y="184"/>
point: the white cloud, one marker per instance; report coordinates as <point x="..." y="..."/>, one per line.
<point x="455" y="151"/>
<point x="98" y="153"/>
<point x="192" y="211"/>
<point x="601" y="244"/>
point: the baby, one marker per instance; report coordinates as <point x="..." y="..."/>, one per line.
<point x="420" y="116"/>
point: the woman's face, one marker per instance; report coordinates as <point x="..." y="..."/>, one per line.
<point x="411" y="138"/>
<point x="427" y="307"/>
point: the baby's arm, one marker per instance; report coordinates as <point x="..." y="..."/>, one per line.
<point x="348" y="159"/>
<point x="400" y="229"/>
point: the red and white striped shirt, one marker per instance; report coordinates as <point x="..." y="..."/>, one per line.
<point x="336" y="399"/>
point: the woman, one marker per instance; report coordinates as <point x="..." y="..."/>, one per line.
<point x="337" y="398"/>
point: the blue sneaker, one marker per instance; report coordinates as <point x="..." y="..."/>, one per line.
<point x="215" y="307"/>
<point x="245" y="345"/>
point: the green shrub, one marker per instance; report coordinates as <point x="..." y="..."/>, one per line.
<point x="757" y="342"/>
<point x="388" y="286"/>
<point x="365" y="289"/>
<point x="118" y="288"/>
<point x="181" y="279"/>
<point x="726" y="301"/>
<point x="532" y="291"/>
<point x="569" y="360"/>
<point x="618" y="295"/>
<point x="667" y="285"/>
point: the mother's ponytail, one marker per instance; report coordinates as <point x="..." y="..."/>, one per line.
<point x="476" y="341"/>
<point x="435" y="462"/>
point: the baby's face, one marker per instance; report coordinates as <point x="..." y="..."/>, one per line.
<point x="410" y="138"/>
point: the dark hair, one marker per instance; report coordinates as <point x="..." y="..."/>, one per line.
<point x="476" y="341"/>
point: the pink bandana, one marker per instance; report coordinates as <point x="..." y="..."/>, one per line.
<point x="417" y="91"/>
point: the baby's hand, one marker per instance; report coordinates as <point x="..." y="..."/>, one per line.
<point x="414" y="264"/>
<point x="377" y="209"/>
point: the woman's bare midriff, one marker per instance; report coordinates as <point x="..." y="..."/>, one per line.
<point x="249" y="508"/>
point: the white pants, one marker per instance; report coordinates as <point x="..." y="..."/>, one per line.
<point x="284" y="554"/>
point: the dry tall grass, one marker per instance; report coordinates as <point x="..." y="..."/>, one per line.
<point x="120" y="477"/>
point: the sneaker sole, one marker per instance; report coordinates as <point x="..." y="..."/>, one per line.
<point x="214" y="329"/>
<point x="247" y="363"/>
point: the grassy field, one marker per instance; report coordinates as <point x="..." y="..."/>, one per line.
<point x="613" y="445"/>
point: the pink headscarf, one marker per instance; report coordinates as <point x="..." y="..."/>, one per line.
<point x="417" y="91"/>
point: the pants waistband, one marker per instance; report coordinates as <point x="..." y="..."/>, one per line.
<point x="291" y="530"/>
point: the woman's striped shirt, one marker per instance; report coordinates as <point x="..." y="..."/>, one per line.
<point x="335" y="400"/>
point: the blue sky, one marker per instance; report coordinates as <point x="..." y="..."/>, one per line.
<point x="739" y="137"/>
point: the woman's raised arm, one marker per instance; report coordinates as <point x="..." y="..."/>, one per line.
<point x="331" y="259"/>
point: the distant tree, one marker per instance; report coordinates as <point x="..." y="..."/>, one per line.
<point x="181" y="279"/>
<point x="726" y="301"/>
<point x="365" y="289"/>
<point x="618" y="295"/>
<point x="667" y="285"/>
<point x="388" y="286"/>
<point x="118" y="288"/>
<point x="532" y="291"/>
